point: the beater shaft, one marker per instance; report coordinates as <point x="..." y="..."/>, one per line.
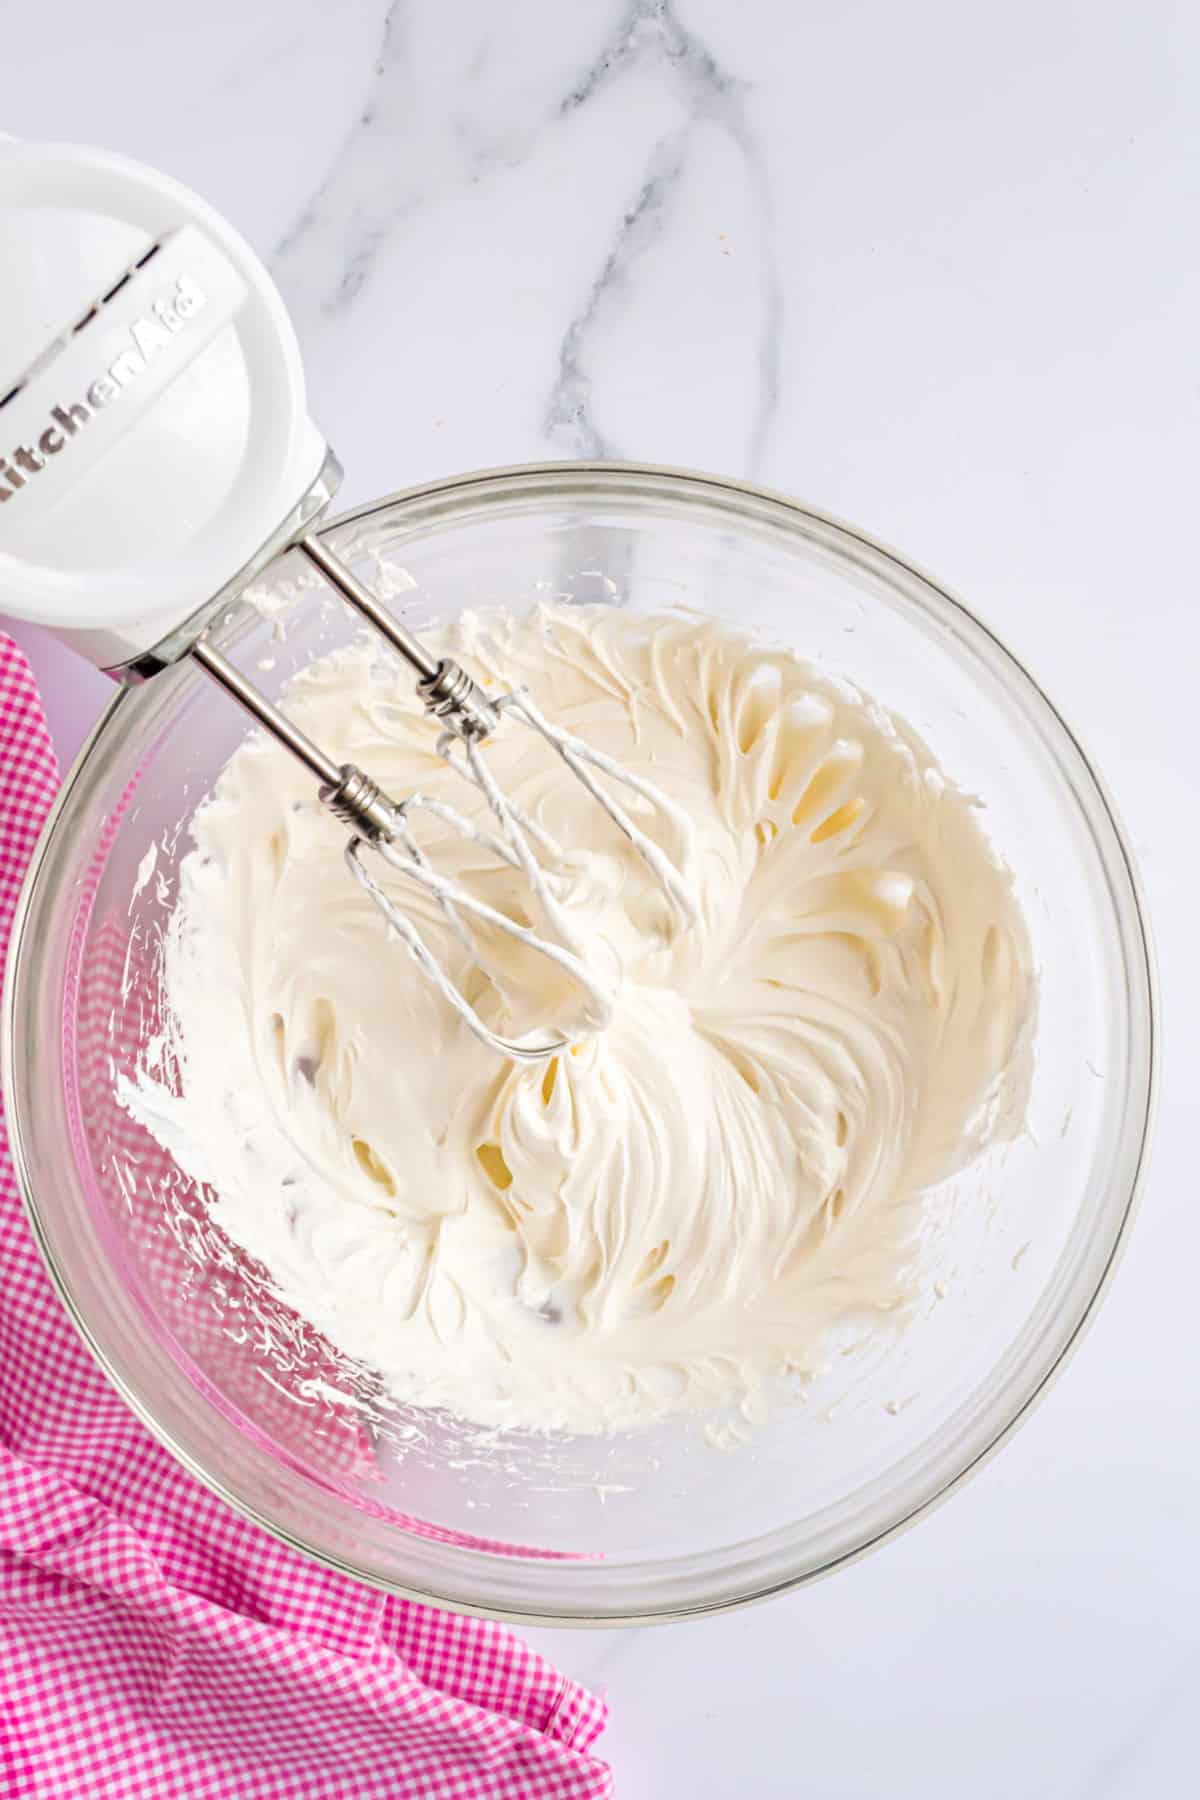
<point x="362" y="600"/>
<point x="446" y="689"/>
<point x="349" y="793"/>
<point x="268" y="715"/>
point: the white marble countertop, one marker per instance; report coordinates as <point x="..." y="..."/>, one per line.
<point x="932" y="267"/>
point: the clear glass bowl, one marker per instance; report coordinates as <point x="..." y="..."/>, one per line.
<point x="641" y="1527"/>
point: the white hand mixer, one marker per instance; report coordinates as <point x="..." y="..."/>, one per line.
<point x="156" y="454"/>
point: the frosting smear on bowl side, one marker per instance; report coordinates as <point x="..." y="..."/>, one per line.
<point x="679" y="1209"/>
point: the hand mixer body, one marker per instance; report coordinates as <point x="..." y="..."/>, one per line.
<point x="156" y="453"/>
<point x="146" y="363"/>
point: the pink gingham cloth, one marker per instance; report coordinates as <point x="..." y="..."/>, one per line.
<point x="156" y="1645"/>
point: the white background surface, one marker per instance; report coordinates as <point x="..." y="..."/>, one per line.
<point x="933" y="267"/>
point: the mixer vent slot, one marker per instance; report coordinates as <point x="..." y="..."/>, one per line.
<point x="94" y="310"/>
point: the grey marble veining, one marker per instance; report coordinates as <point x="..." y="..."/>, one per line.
<point x="569" y="425"/>
<point x="364" y="195"/>
<point x="400" y="154"/>
<point x="652" y="31"/>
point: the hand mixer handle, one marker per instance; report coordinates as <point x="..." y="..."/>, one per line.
<point x="155" y="443"/>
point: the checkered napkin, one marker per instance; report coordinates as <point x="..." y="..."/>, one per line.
<point x="152" y="1643"/>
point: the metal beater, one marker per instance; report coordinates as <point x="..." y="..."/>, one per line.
<point x="384" y="826"/>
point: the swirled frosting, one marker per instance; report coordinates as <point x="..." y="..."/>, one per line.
<point x="679" y="1209"/>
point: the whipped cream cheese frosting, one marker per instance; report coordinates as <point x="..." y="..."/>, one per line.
<point x="677" y="1211"/>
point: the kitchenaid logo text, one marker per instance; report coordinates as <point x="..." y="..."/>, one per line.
<point x="148" y="337"/>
